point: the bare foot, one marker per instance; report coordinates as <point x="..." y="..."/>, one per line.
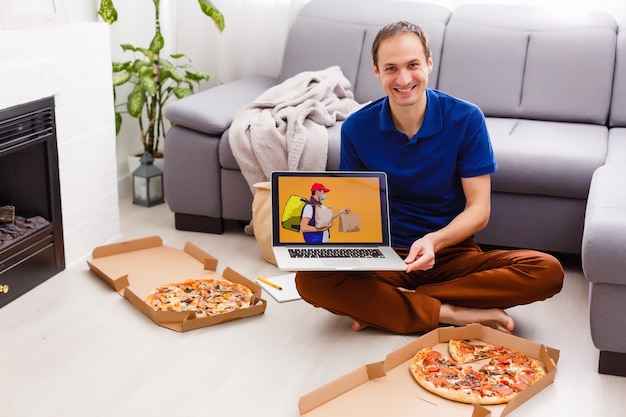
<point x="357" y="325"/>
<point x="495" y="318"/>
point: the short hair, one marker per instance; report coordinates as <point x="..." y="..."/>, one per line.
<point x="395" y="28"/>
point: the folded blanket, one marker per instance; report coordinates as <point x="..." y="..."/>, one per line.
<point x="285" y="127"/>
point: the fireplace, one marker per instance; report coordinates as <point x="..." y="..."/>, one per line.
<point x="31" y="230"/>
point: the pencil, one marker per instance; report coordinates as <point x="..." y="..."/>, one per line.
<point x="270" y="283"/>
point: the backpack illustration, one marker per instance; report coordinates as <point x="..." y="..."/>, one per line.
<point x="292" y="213"/>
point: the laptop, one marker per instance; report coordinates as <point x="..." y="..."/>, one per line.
<point x="358" y="238"/>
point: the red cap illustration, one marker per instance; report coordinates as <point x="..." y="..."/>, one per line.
<point x="317" y="186"/>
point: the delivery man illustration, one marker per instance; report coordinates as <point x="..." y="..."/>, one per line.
<point x="313" y="230"/>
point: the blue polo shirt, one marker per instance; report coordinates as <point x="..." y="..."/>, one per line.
<point x="424" y="171"/>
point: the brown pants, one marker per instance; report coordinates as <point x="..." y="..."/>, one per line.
<point x="463" y="276"/>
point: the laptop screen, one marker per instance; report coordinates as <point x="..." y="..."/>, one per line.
<point x="364" y="194"/>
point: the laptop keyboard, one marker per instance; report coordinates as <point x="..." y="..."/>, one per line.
<point x="335" y="253"/>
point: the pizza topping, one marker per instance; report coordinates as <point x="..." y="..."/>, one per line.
<point x="489" y="374"/>
<point x="465" y="351"/>
<point x="205" y="297"/>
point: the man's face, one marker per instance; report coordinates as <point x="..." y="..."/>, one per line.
<point x="403" y="68"/>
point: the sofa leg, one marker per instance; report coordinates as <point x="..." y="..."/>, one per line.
<point x="612" y="363"/>
<point x="193" y="223"/>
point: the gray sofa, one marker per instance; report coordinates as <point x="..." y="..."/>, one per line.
<point x="604" y="237"/>
<point x="555" y="107"/>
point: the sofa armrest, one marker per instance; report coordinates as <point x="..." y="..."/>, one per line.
<point x="604" y="235"/>
<point x="212" y="111"/>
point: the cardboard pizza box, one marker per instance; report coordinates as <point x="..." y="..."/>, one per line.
<point x="388" y="387"/>
<point x="135" y="268"/>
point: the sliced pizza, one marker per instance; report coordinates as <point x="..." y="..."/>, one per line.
<point x="493" y="375"/>
<point x="467" y="351"/>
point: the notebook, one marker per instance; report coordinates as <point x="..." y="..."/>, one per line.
<point x="286" y="290"/>
<point x="359" y="237"/>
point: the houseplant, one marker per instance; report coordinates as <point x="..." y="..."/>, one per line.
<point x="155" y="79"/>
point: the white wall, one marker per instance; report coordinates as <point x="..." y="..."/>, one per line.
<point x="72" y="63"/>
<point x="81" y="10"/>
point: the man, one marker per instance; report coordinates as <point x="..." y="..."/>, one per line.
<point x="437" y="154"/>
<point x="312" y="232"/>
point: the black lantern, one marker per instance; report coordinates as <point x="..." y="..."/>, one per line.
<point x="147" y="183"/>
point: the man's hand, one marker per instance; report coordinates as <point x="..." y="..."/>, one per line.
<point x="421" y="256"/>
<point x="470" y="221"/>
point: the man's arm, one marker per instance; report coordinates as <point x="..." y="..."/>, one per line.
<point x="471" y="220"/>
<point x="307" y="215"/>
<point x="305" y="227"/>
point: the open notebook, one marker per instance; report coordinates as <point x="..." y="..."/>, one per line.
<point x="358" y="240"/>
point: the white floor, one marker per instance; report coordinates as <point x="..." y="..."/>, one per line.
<point x="73" y="347"/>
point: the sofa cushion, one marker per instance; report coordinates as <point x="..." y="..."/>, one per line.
<point x="546" y="158"/>
<point x="618" y="103"/>
<point x="196" y="112"/>
<point x="490" y="77"/>
<point x="334" y="43"/>
<point x="617" y="145"/>
<point x="555" y="92"/>
<point x="501" y="58"/>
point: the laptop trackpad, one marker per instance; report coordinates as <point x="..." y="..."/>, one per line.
<point x="342" y="263"/>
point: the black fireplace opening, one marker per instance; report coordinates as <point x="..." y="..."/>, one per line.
<point x="31" y="229"/>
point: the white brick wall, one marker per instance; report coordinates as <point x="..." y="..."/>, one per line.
<point x="73" y="64"/>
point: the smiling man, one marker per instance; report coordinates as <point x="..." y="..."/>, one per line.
<point x="438" y="157"/>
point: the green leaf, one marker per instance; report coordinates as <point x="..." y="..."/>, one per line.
<point x="147" y="52"/>
<point x="198" y="75"/>
<point x="148" y="85"/>
<point x="168" y="70"/>
<point x="177" y="76"/>
<point x="142" y="68"/>
<point x="136" y="101"/>
<point x="192" y="76"/>
<point x="121" y="66"/>
<point x="209" y="9"/>
<point x="128" y="47"/>
<point x="107" y="11"/>
<point x="183" y="92"/>
<point x="166" y="65"/>
<point x="121" y="78"/>
<point x="177" y="56"/>
<point x="118" y="123"/>
<point x="157" y="42"/>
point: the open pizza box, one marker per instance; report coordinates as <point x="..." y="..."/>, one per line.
<point x="387" y="388"/>
<point x="135" y="268"/>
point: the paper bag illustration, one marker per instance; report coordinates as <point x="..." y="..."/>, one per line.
<point x="349" y="223"/>
<point x="323" y="216"/>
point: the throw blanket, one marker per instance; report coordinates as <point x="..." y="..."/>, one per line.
<point x="285" y="127"/>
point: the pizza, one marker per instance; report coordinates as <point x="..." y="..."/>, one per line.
<point x="464" y="351"/>
<point x="205" y="297"/>
<point x="483" y="374"/>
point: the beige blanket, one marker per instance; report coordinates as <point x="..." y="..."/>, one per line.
<point x="285" y="127"/>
